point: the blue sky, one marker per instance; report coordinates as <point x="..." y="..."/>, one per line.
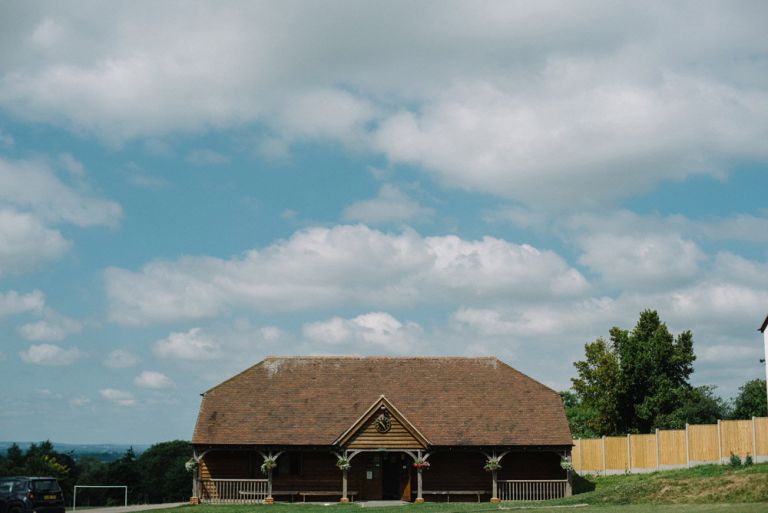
<point x="186" y="188"/>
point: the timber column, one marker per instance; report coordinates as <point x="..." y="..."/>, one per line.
<point x="344" y="499"/>
<point x="495" y="488"/>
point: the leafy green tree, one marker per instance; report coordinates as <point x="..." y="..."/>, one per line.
<point x="751" y="400"/>
<point x="639" y="380"/>
<point x="578" y="415"/>
<point x="164" y="478"/>
<point x="596" y="387"/>
<point x="697" y="405"/>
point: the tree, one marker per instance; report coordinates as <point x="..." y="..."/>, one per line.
<point x="596" y="386"/>
<point x="578" y="415"/>
<point x="639" y="380"/>
<point x="164" y="477"/>
<point x="751" y="400"/>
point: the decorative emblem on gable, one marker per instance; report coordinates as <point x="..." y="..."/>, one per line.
<point x="382" y="426"/>
<point x="383" y="423"/>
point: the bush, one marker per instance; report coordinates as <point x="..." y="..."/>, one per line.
<point x="748" y="460"/>
<point x="735" y="460"/>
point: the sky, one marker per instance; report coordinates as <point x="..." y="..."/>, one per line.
<point x="188" y="187"/>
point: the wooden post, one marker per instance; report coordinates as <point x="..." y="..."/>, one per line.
<point x="269" y="499"/>
<point x="687" y="450"/>
<point x="419" y="497"/>
<point x="719" y="445"/>
<point x="344" y="498"/>
<point x="495" y="487"/>
<point x="657" y="448"/>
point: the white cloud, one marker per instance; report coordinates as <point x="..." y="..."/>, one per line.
<point x="118" y="397"/>
<point x="121" y="359"/>
<point x="33" y="186"/>
<point x="371" y="332"/>
<point x="49" y="354"/>
<point x="558" y="91"/>
<point x="637" y="261"/>
<point x="72" y="165"/>
<point x="152" y="379"/>
<point x="191" y="345"/>
<point x="53" y="328"/>
<point x="340" y="265"/>
<point x="389" y="206"/>
<point x="26" y="243"/>
<point x="13" y="303"/>
<point x="79" y="401"/>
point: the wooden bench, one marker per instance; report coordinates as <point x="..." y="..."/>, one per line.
<point x="448" y="493"/>
<point x="321" y="493"/>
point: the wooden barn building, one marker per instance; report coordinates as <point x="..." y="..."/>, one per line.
<point x="358" y="428"/>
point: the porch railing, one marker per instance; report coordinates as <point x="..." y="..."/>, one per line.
<point x="536" y="490"/>
<point x="233" y="491"/>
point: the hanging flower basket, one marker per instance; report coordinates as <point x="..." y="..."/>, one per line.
<point x="191" y="465"/>
<point x="268" y="465"/>
<point x="343" y="463"/>
<point x="566" y="464"/>
<point x="492" y="464"/>
<point x="421" y="463"/>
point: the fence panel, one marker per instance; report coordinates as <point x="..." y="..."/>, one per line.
<point x="761" y="439"/>
<point x="672" y="448"/>
<point x="616" y="453"/>
<point x="642" y="451"/>
<point x="736" y="438"/>
<point x="591" y="457"/>
<point x="702" y="443"/>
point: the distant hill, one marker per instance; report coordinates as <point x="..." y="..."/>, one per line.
<point x="102" y="452"/>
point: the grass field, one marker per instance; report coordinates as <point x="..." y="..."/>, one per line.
<point x="703" y="489"/>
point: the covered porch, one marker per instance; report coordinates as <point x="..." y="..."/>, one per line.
<point x="444" y="474"/>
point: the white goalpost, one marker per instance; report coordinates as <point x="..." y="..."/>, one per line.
<point x="74" y="495"/>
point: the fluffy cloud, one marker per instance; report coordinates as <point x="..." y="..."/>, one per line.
<point x="32" y="198"/>
<point x="25" y="242"/>
<point x="650" y="262"/>
<point x="33" y="186"/>
<point x="49" y="354"/>
<point x="121" y="359"/>
<point x="53" y="328"/>
<point x="118" y="397"/>
<point x="13" y="303"/>
<point x="390" y="205"/>
<point x="152" y="379"/>
<point x="340" y="265"/>
<point x="371" y="332"/>
<point x="191" y="345"/>
<point x="558" y="92"/>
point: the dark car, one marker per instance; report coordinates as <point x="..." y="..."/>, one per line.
<point x="30" y="495"/>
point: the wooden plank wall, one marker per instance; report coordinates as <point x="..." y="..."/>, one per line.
<point x="695" y="445"/>
<point x="643" y="451"/>
<point x="703" y="444"/>
<point x="672" y="448"/>
<point x="616" y="454"/>
<point x="736" y="438"/>
<point x="761" y="436"/>
<point x="396" y="438"/>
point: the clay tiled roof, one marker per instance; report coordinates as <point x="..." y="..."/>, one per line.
<point x="313" y="400"/>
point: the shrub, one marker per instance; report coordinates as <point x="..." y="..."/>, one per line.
<point x="748" y="460"/>
<point x="735" y="460"/>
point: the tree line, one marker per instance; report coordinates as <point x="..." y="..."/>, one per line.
<point x="157" y="475"/>
<point x="639" y="380"/>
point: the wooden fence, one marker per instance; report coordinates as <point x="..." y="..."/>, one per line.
<point x="677" y="448"/>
